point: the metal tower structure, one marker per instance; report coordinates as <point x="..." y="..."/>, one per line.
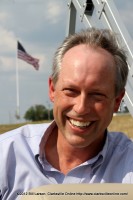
<point x="104" y="14"/>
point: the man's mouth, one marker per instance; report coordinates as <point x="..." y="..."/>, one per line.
<point x="79" y="124"/>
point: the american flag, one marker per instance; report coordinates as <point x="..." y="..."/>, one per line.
<point x="23" y="55"/>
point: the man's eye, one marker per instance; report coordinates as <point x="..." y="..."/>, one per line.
<point x="98" y="96"/>
<point x="70" y="91"/>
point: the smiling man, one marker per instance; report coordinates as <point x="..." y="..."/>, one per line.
<point x="84" y="102"/>
<point x="86" y="87"/>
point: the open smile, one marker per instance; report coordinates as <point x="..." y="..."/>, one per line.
<point x="80" y="124"/>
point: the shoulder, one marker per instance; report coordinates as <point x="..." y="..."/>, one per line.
<point x="120" y="155"/>
<point x="120" y="139"/>
<point x="26" y="131"/>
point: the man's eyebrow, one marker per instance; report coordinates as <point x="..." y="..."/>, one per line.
<point x="70" y="83"/>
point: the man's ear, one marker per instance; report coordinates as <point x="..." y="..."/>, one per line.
<point x="51" y="90"/>
<point x="118" y="100"/>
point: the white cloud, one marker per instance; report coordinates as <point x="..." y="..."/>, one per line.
<point x="7" y="41"/>
<point x="7" y="63"/>
<point x="3" y="17"/>
<point x="54" y="11"/>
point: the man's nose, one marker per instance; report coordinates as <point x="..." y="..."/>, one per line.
<point x="81" y="105"/>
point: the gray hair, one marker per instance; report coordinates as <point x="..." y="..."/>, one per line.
<point x="103" y="38"/>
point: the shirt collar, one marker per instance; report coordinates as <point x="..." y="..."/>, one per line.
<point x="44" y="139"/>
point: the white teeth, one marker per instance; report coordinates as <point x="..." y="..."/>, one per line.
<point x="79" y="123"/>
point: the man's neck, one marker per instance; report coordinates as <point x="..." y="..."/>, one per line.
<point x="64" y="156"/>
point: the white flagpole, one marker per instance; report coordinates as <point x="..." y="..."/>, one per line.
<point x="17" y="86"/>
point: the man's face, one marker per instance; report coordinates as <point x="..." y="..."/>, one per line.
<point x="84" y="95"/>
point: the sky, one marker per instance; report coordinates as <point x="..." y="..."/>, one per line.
<point x="40" y="26"/>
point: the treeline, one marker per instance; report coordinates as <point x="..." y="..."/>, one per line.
<point x="38" y="113"/>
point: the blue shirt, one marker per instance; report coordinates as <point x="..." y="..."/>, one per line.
<point x="22" y="169"/>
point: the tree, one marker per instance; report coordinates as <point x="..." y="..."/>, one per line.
<point x="36" y="113"/>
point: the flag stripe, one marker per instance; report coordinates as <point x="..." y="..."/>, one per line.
<point x="23" y="55"/>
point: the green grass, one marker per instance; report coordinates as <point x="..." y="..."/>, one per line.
<point x="123" y="123"/>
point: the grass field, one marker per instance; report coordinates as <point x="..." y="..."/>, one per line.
<point x="123" y="123"/>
